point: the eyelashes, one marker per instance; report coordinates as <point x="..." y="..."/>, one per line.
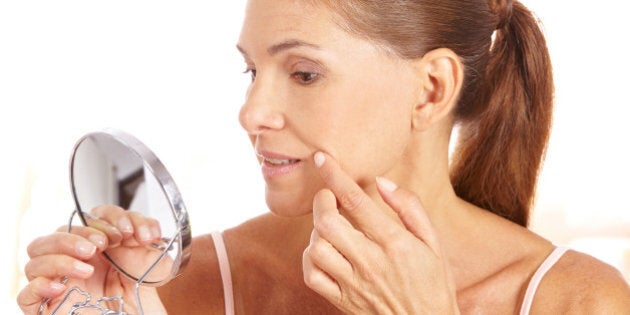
<point x="301" y="77"/>
<point x="252" y="73"/>
<point x="305" y="78"/>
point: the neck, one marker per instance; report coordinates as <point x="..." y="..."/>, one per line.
<point x="424" y="170"/>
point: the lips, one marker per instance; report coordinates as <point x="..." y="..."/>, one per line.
<point x="279" y="161"/>
<point x="276" y="159"/>
<point x="274" y="165"/>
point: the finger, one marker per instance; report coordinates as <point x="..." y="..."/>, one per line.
<point x="146" y="230"/>
<point x="318" y="281"/>
<point x="356" y="204"/>
<point x="325" y="203"/>
<point x="114" y="235"/>
<point x="328" y="259"/>
<point x="57" y="266"/>
<point x="30" y="297"/>
<point x="410" y="211"/>
<point x="117" y="217"/>
<point x="333" y="227"/>
<point x="74" y="245"/>
<point x="99" y="238"/>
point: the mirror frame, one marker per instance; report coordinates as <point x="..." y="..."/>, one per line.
<point x="167" y="184"/>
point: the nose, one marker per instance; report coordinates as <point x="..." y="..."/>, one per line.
<point x="261" y="110"/>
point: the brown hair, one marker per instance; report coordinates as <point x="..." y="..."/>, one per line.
<point x="505" y="106"/>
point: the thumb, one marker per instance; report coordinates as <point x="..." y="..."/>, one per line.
<point x="39" y="290"/>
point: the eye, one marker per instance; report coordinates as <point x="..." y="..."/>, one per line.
<point x="252" y="73"/>
<point x="304" y="77"/>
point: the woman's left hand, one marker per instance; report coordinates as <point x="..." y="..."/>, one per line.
<point x="377" y="265"/>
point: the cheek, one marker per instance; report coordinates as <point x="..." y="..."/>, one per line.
<point x="380" y="149"/>
<point x="364" y="121"/>
<point x="367" y="134"/>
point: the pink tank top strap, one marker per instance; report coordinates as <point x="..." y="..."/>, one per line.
<point x="538" y="276"/>
<point x="226" y="275"/>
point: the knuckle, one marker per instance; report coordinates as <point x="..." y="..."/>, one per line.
<point x="58" y="241"/>
<point x="313" y="279"/>
<point x="62" y="265"/>
<point x="54" y="265"/>
<point x="31" y="249"/>
<point x="309" y="279"/>
<point x="368" y="273"/>
<point x="28" y="294"/>
<point x="397" y="247"/>
<point x="317" y="249"/>
<point x="325" y="224"/>
<point x="307" y="258"/>
<point x="352" y="200"/>
<point x="28" y="269"/>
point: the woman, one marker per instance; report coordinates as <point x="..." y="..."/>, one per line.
<point x="350" y="111"/>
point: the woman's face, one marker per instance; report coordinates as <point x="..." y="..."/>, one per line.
<point x="315" y="88"/>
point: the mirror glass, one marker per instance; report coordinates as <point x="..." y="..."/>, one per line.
<point x="114" y="168"/>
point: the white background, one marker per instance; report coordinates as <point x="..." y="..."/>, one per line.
<point x="168" y="73"/>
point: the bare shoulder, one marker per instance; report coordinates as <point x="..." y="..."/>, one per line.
<point x="198" y="289"/>
<point x="580" y="283"/>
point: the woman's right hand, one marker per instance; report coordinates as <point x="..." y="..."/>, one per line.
<point x="77" y="256"/>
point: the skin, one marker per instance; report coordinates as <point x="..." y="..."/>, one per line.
<point x="372" y="219"/>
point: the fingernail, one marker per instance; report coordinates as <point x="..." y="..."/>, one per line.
<point x="113" y="230"/>
<point x="84" y="248"/>
<point x="57" y="287"/>
<point x="386" y="184"/>
<point x="144" y="233"/>
<point x="319" y="159"/>
<point x="83" y="267"/>
<point x="97" y="239"/>
<point x="125" y="225"/>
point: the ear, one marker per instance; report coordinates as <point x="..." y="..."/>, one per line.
<point x="441" y="75"/>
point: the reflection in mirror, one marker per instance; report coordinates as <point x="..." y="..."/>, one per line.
<point x="112" y="168"/>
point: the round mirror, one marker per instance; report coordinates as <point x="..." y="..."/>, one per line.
<point x="114" y="168"/>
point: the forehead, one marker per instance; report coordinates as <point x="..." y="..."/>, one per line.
<point x="269" y="21"/>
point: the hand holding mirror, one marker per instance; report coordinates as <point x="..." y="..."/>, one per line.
<point x="113" y="168"/>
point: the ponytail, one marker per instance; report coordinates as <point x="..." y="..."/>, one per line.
<point x="501" y="148"/>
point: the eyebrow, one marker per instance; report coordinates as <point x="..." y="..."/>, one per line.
<point x="282" y="46"/>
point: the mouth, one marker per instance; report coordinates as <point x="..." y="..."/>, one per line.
<point x="279" y="162"/>
<point x="275" y="160"/>
<point x="276" y="166"/>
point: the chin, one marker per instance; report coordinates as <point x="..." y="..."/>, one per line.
<point x="289" y="205"/>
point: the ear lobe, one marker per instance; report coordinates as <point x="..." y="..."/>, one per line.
<point x="441" y="75"/>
